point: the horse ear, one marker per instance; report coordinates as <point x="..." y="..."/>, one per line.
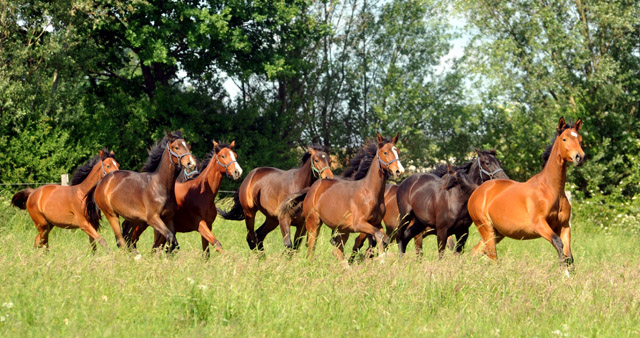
<point x="311" y="151"/>
<point x="394" y="140"/>
<point x="215" y="144"/>
<point x="233" y="144"/>
<point x="101" y="153"/>
<point x="477" y="151"/>
<point x="561" y="124"/>
<point x="112" y="153"/>
<point x="169" y="136"/>
<point x="450" y="168"/>
<point x="379" y="139"/>
<point x="578" y="125"/>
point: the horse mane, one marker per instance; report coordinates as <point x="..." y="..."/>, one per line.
<point x="316" y="147"/>
<point x="210" y="155"/>
<point x="84" y="170"/>
<point x="359" y="165"/>
<point x="547" y="151"/>
<point x="155" y="153"/>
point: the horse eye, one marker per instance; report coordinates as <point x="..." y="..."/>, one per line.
<point x="564" y="140"/>
<point x="223" y="156"/>
<point x="386" y="153"/>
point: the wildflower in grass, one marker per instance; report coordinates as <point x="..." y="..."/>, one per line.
<point x="3" y="318"/>
<point x="202" y="287"/>
<point x="8" y="305"/>
<point x="190" y="280"/>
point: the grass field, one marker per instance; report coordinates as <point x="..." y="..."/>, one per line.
<point x="68" y="291"/>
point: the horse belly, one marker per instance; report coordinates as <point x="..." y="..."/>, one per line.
<point x="58" y="208"/>
<point x="511" y="218"/>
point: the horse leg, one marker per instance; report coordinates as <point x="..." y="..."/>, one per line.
<point x="249" y="221"/>
<point x="400" y="236"/>
<point x="114" y="221"/>
<point x="270" y="223"/>
<point x="297" y="239"/>
<point x="134" y="232"/>
<point x="208" y="238"/>
<point x="543" y="229"/>
<point x="565" y="236"/>
<point x="460" y="241"/>
<point x="487" y="241"/>
<point x="158" y="224"/>
<point x="411" y="232"/>
<point x="357" y="246"/>
<point x="451" y="243"/>
<point x="441" y="234"/>
<point x="312" y="224"/>
<point x="285" y="229"/>
<point x="93" y="235"/>
<point x="369" y="229"/>
<point x="417" y="241"/>
<point x="338" y="250"/>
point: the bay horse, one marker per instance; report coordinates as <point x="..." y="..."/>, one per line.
<point x="532" y="209"/>
<point x="353" y="205"/>
<point x="483" y="167"/>
<point x="196" y="209"/>
<point x="146" y="197"/>
<point x="265" y="188"/>
<point x="57" y="205"/>
<point x="436" y="204"/>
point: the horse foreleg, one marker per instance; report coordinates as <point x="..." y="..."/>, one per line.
<point x="357" y="245"/>
<point x="338" y="250"/>
<point x="544" y="230"/>
<point x="369" y="229"/>
<point x="487" y="241"/>
<point x="270" y="223"/>
<point x="441" y="234"/>
<point x="158" y="224"/>
<point x="93" y="235"/>
<point x="565" y="236"/>
<point x="208" y="238"/>
<point x="114" y="221"/>
<point x="285" y="229"/>
<point x="42" y="239"/>
<point x="312" y="224"/>
<point x="249" y="221"/>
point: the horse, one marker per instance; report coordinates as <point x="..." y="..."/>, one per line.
<point x="532" y="209"/>
<point x="437" y="204"/>
<point x="353" y="205"/>
<point x="57" y="205"/>
<point x="483" y="167"/>
<point x="265" y="188"/>
<point x="146" y="197"/>
<point x="196" y="209"/>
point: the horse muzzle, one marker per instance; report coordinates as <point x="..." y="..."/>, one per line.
<point x="578" y="159"/>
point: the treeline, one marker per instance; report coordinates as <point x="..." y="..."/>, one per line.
<point x="76" y="76"/>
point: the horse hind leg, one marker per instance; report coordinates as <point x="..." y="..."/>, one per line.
<point x="340" y="240"/>
<point x="488" y="239"/>
<point x="270" y="223"/>
<point x="249" y="221"/>
<point x="301" y="231"/>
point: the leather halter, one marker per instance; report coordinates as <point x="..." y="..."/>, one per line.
<point x="226" y="170"/>
<point x="386" y="164"/>
<point x="490" y="174"/>
<point x="179" y="157"/>
<point x="104" y="172"/>
<point x="317" y="173"/>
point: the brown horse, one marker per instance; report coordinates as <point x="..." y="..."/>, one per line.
<point x="535" y="208"/>
<point x="56" y="205"/>
<point x="353" y="206"/>
<point x="265" y="188"/>
<point x="485" y="166"/>
<point x="146" y="197"/>
<point x="196" y="199"/>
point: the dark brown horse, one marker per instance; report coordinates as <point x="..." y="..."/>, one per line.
<point x="146" y="197"/>
<point x="265" y="188"/>
<point x="353" y="205"/>
<point x="56" y="205"/>
<point x="535" y="208"/>
<point x="483" y="167"/>
<point x="427" y="201"/>
<point x="196" y="199"/>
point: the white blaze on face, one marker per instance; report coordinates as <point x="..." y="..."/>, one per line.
<point x="395" y="153"/>
<point x="574" y="134"/>
<point x="233" y="158"/>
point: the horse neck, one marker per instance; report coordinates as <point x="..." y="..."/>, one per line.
<point x="474" y="172"/>
<point x="167" y="172"/>
<point x="304" y="174"/>
<point x="555" y="171"/>
<point x="210" y="177"/>
<point x="375" y="179"/>
<point x="92" y="178"/>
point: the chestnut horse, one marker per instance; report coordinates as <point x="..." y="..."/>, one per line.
<point x="483" y="167"/>
<point x="196" y="199"/>
<point x="146" y="197"/>
<point x="265" y="188"/>
<point x="57" y="205"/>
<point x="353" y="206"/>
<point x="535" y="208"/>
<point x="427" y="202"/>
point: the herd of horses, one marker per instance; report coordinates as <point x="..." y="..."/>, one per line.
<point x="174" y="193"/>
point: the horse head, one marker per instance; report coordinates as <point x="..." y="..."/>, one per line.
<point x="226" y="160"/>
<point x="320" y="163"/>
<point x="389" y="156"/>
<point x="569" y="142"/>
<point x="180" y="153"/>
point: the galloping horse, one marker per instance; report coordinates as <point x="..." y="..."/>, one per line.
<point x="427" y="201"/>
<point x="196" y="199"/>
<point x="146" y="197"/>
<point x="62" y="206"/>
<point x="483" y="167"/>
<point x="535" y="208"/>
<point x="353" y="206"/>
<point x="265" y="188"/>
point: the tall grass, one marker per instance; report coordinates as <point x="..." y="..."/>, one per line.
<point x="69" y="291"/>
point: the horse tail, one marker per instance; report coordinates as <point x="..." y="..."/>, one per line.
<point x="292" y="206"/>
<point x="19" y="200"/>
<point x="91" y="210"/>
<point x="236" y="213"/>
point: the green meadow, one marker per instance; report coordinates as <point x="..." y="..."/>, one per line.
<point x="68" y="291"/>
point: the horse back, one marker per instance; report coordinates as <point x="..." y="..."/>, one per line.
<point x="123" y="192"/>
<point x="265" y="188"/>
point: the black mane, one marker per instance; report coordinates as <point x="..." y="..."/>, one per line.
<point x="359" y="165"/>
<point x="210" y="155"/>
<point x="316" y="147"/>
<point x="84" y="170"/>
<point x="547" y="151"/>
<point x="155" y="153"/>
<point x="442" y="169"/>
